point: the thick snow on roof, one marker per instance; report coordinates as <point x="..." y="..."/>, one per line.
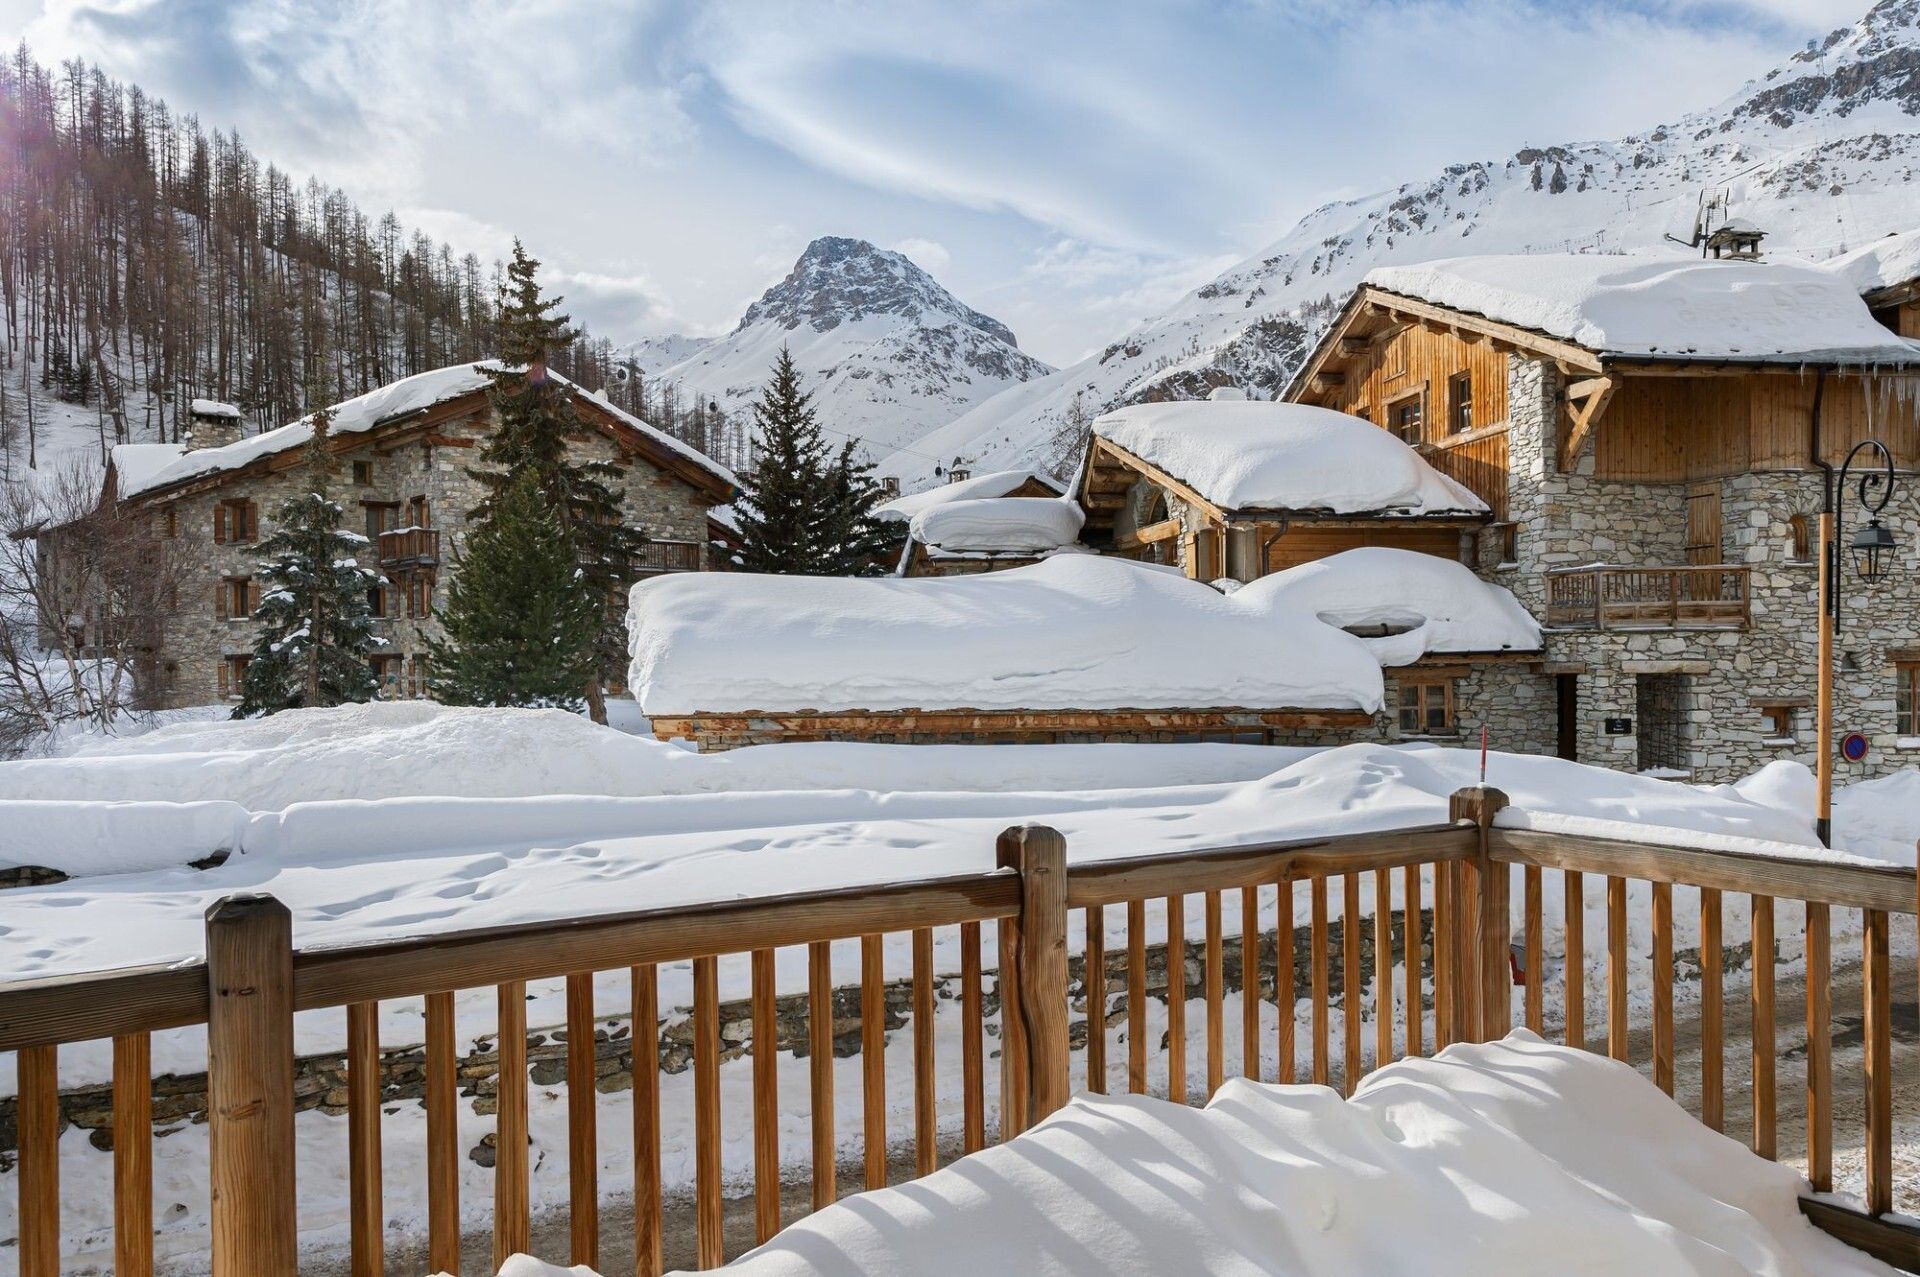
<point x="390" y="402"/>
<point x="1437" y="605"/>
<point x="213" y="408"/>
<point x="1000" y="525"/>
<point x="1890" y="260"/>
<point x="1072" y="632"/>
<point x="1662" y="307"/>
<point x="1284" y="456"/>
<point x="135" y="464"/>
<point x="997" y="484"/>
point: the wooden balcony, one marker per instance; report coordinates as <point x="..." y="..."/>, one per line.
<point x="1715" y="597"/>
<point x="410" y="548"/>
<point x="658" y="557"/>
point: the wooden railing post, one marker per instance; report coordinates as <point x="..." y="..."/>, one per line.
<point x="1484" y="919"/>
<point x="250" y="1086"/>
<point x="1033" y="995"/>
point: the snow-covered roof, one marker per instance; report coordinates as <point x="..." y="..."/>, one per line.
<point x="1432" y="604"/>
<point x="999" y="525"/>
<point x="1661" y="307"/>
<point x="1284" y="456"/>
<point x="1885" y="263"/>
<point x="1070" y="632"/>
<point x="213" y="408"/>
<point x="390" y="402"/>
<point x="998" y="484"/>
<point x="135" y="464"/>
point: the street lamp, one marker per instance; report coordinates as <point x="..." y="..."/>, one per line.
<point x="1872" y="549"/>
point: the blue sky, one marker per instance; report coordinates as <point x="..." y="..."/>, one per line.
<point x="1068" y="167"/>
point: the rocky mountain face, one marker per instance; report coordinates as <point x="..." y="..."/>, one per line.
<point x="1821" y="153"/>
<point x="888" y="353"/>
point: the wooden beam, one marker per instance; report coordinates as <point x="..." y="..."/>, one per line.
<point x="1443" y="318"/>
<point x="1355" y="345"/>
<point x="1165" y="530"/>
<point x="1160" y="477"/>
<point x="1324" y="377"/>
<point x="1590" y="387"/>
<point x="1576" y="437"/>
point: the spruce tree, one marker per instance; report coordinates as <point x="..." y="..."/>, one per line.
<point x="316" y="629"/>
<point x="533" y="416"/>
<point x="519" y="627"/>
<point x="786" y="513"/>
<point x="857" y="543"/>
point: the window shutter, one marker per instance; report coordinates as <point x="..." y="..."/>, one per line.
<point x="226" y="681"/>
<point x="253" y="596"/>
<point x="220" y="609"/>
<point x="219" y="524"/>
<point x="253" y="521"/>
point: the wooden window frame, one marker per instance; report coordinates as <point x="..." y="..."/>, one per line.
<point x="232" y="590"/>
<point x="1418" y="399"/>
<point x="387" y="665"/>
<point x="233" y="675"/>
<point x="381" y="516"/>
<point x="1459" y="401"/>
<point x="1779" y="719"/>
<point x="419" y="513"/>
<point x="236" y="521"/>
<point x="170" y="522"/>
<point x="363" y="473"/>
<point x="1423" y="690"/>
<point x="1800" y="539"/>
<point x="417" y="591"/>
<point x="1906" y="699"/>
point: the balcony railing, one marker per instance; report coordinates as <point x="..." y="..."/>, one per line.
<point x="410" y="548"/>
<point x="657" y="557"/>
<point x="1662" y="598"/>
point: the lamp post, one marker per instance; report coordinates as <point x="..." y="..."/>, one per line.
<point x="1872" y="552"/>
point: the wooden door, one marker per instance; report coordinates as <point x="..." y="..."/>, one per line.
<point x="1703" y="540"/>
<point x="1567" y="693"/>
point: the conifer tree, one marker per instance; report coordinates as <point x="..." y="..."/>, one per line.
<point x="519" y="627"/>
<point x="857" y="543"/>
<point x="316" y="629"/>
<point x="533" y="416"/>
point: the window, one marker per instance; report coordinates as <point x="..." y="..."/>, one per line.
<point x="170" y="523"/>
<point x="1403" y="418"/>
<point x="419" y="514"/>
<point x="233" y="676"/>
<point x="418" y="589"/>
<point x="1426" y="708"/>
<point x="236" y="521"/>
<point x="420" y="677"/>
<point x="1800" y="539"/>
<point x="1906" y="698"/>
<point x="1510" y="543"/>
<point x="170" y="677"/>
<point x="363" y="473"/>
<point x="382" y="516"/>
<point x="380" y="600"/>
<point x="386" y="675"/>
<point x="1779" y="720"/>
<point x="235" y="598"/>
<point x="1460" y="404"/>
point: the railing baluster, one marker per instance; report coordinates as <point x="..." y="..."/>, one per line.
<point x="1574" y="971"/>
<point x="873" y="1057"/>
<point x="512" y="1223"/>
<point x="38" y="1134"/>
<point x="1443" y="955"/>
<point x="1617" y="968"/>
<point x="766" y="1096"/>
<point x="925" y="1130"/>
<point x="133" y="1155"/>
<point x="443" y="1137"/>
<point x="1877" y="995"/>
<point x="1095" y="968"/>
<point x="1535" y="999"/>
<point x="820" y="1064"/>
<point x="1351" y="1002"/>
<point x="1663" y="986"/>
<point x="1284" y="997"/>
<point x="1712" y="1015"/>
<point x="1382" y="967"/>
<point x="1322" y="994"/>
<point x="1411" y="944"/>
<point x="367" y="1227"/>
<point x="973" y="1100"/>
<point x="583" y="1127"/>
<point x="1762" y="1034"/>
<point x="645" y="982"/>
<point x="1819" y="1049"/>
<point x="1215" y="996"/>
<point x="1137" y="997"/>
<point x="1250" y="981"/>
<point x="710" y="1245"/>
<point x="1177" y="998"/>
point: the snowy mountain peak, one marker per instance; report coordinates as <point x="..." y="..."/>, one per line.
<point x="840" y="280"/>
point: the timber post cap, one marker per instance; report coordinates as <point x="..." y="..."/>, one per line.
<point x="1019" y="845"/>
<point x="247" y="906"/>
<point x="1476" y="803"/>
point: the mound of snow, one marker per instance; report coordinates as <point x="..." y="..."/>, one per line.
<point x="1072" y="632"/>
<point x="1434" y="604"/>
<point x="999" y="525"/>
<point x="1879" y="818"/>
<point x="1507" y="1157"/>
<point x="1280" y="456"/>
<point x="1883" y="263"/>
<point x="998" y="484"/>
<point x="1671" y="307"/>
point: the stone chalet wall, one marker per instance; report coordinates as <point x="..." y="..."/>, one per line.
<point x="195" y="640"/>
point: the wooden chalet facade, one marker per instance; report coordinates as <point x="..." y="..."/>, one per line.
<point x="404" y="452"/>
<point x="1656" y="513"/>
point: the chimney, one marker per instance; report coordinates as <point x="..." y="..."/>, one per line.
<point x="212" y="424"/>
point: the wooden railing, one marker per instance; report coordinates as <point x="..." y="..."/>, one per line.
<point x="656" y="557"/>
<point x="410" y="547"/>
<point x="253" y="981"/>
<point x="1616" y="598"/>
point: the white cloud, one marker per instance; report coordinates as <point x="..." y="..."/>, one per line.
<point x="929" y="255"/>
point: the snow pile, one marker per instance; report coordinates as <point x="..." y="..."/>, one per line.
<point x="1879" y="818"/>
<point x="999" y="525"/>
<point x="135" y="465"/>
<point x="1281" y="456"/>
<point x="1428" y="604"/>
<point x="1072" y="632"/>
<point x="1000" y="483"/>
<point x="1669" y="307"/>
<point x="1508" y="1157"/>
<point x="214" y="408"/>
<point x="1883" y="263"/>
<point x="391" y="402"/>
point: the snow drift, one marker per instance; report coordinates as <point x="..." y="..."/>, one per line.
<point x="1244" y="455"/>
<point x="999" y="525"/>
<point x="1000" y="483"/>
<point x="1431" y="604"/>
